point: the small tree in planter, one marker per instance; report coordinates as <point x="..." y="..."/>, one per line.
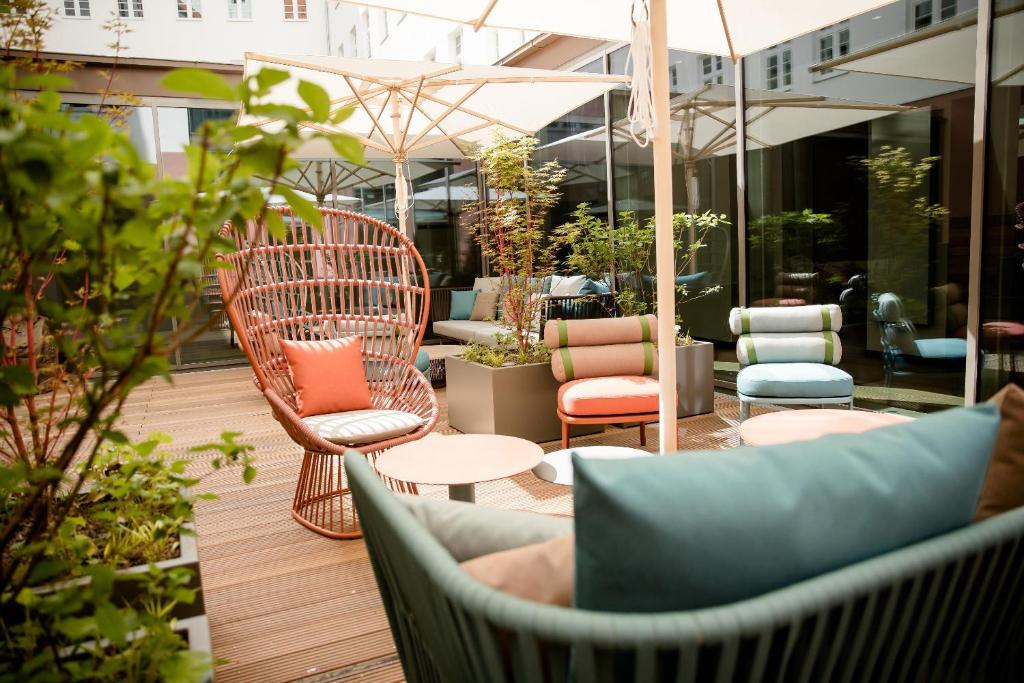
<point x="510" y="229"/>
<point x="96" y="253"/>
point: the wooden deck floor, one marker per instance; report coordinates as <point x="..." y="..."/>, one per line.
<point x="284" y="603"/>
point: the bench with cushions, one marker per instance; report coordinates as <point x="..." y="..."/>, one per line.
<point x="846" y="558"/>
<point x="579" y="298"/>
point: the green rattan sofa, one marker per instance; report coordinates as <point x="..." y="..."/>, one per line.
<point x="947" y="609"/>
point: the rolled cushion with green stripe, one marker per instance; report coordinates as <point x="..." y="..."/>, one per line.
<point x="580" y="362"/>
<point x="600" y="331"/>
<point x="786" y="319"/>
<point x="790" y="347"/>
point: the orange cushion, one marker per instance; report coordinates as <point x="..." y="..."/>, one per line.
<point x="328" y="375"/>
<point x="1004" y="482"/>
<point x="609" y="396"/>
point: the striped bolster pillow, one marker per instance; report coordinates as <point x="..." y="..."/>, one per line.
<point x="786" y="319"/>
<point x="800" y="347"/>
<point x="600" y="331"/>
<point x="579" y="362"/>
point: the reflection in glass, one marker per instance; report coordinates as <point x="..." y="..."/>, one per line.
<point x="859" y="194"/>
<point x="1002" y="285"/>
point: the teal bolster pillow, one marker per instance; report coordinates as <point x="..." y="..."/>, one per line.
<point x="462" y="305"/>
<point x="693" y="530"/>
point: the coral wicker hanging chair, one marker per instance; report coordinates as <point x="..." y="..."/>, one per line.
<point x="359" y="276"/>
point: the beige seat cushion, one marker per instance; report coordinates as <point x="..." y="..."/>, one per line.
<point x="358" y="427"/>
<point x="542" y="572"/>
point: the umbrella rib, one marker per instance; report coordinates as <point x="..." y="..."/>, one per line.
<point x="435" y="122"/>
<point x="453" y="136"/>
<point x="372" y="144"/>
<point x="418" y="108"/>
<point x="483" y="15"/>
<point x="477" y="114"/>
<point x="728" y="36"/>
<point x="412" y="110"/>
<point x="366" y="108"/>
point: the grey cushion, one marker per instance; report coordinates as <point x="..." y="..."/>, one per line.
<point x="357" y="427"/>
<point x="468" y="530"/>
<point x="479" y="331"/>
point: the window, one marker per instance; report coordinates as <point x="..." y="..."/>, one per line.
<point x="366" y="32"/>
<point x="353" y="42"/>
<point x="77" y="8"/>
<point x="787" y="68"/>
<point x="239" y="9"/>
<point x="922" y="14"/>
<point x="456" y="45"/>
<point x="711" y="69"/>
<point x="833" y="42"/>
<point x="129" y="9"/>
<point x="772" y="71"/>
<point x="430" y="56"/>
<point x="295" y="10"/>
<point x="190" y="9"/>
<point x="673" y="75"/>
<point x="948" y="10"/>
<point x="385" y="32"/>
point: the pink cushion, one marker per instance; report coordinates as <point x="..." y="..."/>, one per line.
<point x="609" y="396"/>
<point x="328" y="375"/>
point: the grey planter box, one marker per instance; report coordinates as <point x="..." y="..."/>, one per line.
<point x="695" y="379"/>
<point x="513" y="401"/>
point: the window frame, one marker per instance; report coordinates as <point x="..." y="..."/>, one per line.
<point x="77" y="7"/>
<point x="296" y="10"/>
<point x="240" y="4"/>
<point x="193" y="10"/>
<point x="130" y="9"/>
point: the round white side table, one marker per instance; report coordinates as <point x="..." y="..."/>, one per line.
<point x="556" y="467"/>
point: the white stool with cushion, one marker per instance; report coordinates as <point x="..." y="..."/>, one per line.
<point x="789" y="356"/>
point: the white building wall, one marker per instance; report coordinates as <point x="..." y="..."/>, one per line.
<point x="160" y="34"/>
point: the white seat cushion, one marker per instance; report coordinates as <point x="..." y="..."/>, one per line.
<point x="358" y="427"/>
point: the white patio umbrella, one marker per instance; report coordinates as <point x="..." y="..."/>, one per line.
<point x="721" y="27"/>
<point x="944" y="52"/>
<point x="435" y="110"/>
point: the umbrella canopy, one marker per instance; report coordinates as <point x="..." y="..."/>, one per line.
<point x="944" y="52"/>
<point x="694" y="25"/>
<point x="722" y="27"/>
<point x="415" y="110"/>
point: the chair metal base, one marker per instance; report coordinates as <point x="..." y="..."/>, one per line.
<point x="323" y="501"/>
<point x="747" y="401"/>
<point x="642" y="418"/>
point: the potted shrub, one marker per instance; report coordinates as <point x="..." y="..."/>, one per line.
<point x="96" y="254"/>
<point x="629" y="257"/>
<point x="510" y="389"/>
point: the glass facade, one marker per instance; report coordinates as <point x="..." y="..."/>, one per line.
<point x="1001" y="357"/>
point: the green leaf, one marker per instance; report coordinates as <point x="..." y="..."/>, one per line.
<point x="186" y="666"/>
<point x="348" y="148"/>
<point x="248" y="474"/>
<point x="275" y="224"/>
<point x="200" y="82"/>
<point x="316" y="99"/>
<point x="111" y="623"/>
<point x="267" y="78"/>
<point x="304" y="208"/>
<point x="340" y="115"/>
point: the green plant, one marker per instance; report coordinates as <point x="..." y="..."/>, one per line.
<point x="506" y="351"/>
<point x="627" y="249"/>
<point x="510" y="228"/>
<point x="96" y="253"/>
<point x="899" y="209"/>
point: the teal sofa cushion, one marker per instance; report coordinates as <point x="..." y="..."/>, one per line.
<point x="693" y="530"/>
<point x="462" y="304"/>
<point x="422" y="361"/>
<point x="594" y="287"/>
<point x="794" y="380"/>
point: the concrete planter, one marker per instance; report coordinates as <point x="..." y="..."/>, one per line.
<point x="514" y="401"/>
<point x="695" y="378"/>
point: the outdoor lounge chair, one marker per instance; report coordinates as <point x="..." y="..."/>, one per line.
<point x="950" y="608"/>
<point x="358" y="277"/>
<point x="789" y="356"/>
<point x="606" y="368"/>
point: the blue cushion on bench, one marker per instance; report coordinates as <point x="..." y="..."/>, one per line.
<point x="794" y="380"/>
<point x="942" y="348"/>
<point x="693" y="530"/>
<point x="462" y="304"/>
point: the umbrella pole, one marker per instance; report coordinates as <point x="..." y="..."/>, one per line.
<point x="664" y="255"/>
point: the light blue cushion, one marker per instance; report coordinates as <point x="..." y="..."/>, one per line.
<point x="950" y="348"/>
<point x="693" y="530"/>
<point x="422" y="361"/>
<point x="794" y="380"/>
<point x="462" y="304"/>
<point x="594" y="287"/>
